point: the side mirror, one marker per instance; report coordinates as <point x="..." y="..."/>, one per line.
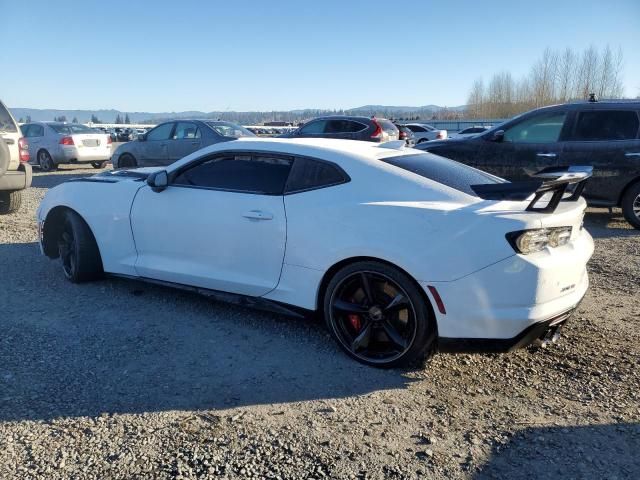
<point x="142" y="137"/>
<point x="497" y="136"/>
<point x="158" y="181"/>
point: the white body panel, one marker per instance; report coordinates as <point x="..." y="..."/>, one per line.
<point x="440" y="236"/>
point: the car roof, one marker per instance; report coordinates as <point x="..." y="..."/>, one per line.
<point x="360" y="118"/>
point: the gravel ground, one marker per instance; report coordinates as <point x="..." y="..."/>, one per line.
<point x="120" y="379"/>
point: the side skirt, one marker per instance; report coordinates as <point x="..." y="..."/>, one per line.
<point x="257" y="303"/>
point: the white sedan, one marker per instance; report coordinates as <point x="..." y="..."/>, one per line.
<point x="402" y="252"/>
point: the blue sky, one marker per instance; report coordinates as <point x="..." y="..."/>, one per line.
<point x="280" y="55"/>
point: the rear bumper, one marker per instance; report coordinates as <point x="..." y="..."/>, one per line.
<point x="85" y="155"/>
<point x="512" y="301"/>
<point x="18" y="180"/>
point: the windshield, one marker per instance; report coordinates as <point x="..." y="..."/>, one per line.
<point x="71" y="128"/>
<point x="6" y="122"/>
<point x="228" y="129"/>
<point x="442" y="170"/>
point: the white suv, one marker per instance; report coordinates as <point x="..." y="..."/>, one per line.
<point x="15" y="172"/>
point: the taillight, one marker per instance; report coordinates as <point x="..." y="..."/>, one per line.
<point x="403" y="135"/>
<point x="23" y="148"/>
<point x="109" y="141"/>
<point x="378" y="131"/>
<point x="440" y="135"/>
<point x="66" y="141"/>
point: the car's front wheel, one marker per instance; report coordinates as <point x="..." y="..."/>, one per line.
<point x="378" y="315"/>
<point x="631" y="205"/>
<point x="99" y="165"/>
<point x="78" y="251"/>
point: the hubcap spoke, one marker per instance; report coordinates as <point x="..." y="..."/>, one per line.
<point x="366" y="287"/>
<point x="399" y="302"/>
<point x="362" y="340"/>
<point x="348" y="307"/>
<point x="394" y="335"/>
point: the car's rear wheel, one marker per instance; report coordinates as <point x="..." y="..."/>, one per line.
<point x="78" y="251"/>
<point x="45" y="161"/>
<point x="127" y="161"/>
<point x="98" y="165"/>
<point x="10" y="202"/>
<point x="378" y="315"/>
<point x="631" y="205"/>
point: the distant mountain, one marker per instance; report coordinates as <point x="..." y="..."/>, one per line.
<point x="109" y="116"/>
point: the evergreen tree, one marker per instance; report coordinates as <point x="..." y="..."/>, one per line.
<point x="126" y="119"/>
<point x="118" y="119"/>
<point x="75" y="120"/>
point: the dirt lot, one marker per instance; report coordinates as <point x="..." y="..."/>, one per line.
<point x="120" y="379"/>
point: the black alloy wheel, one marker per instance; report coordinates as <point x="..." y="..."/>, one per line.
<point x="378" y="316"/>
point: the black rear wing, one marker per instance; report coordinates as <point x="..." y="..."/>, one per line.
<point x="561" y="183"/>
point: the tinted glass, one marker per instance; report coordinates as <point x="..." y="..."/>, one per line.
<point x="36" y="131"/>
<point x="415" y="128"/>
<point x="387" y="126"/>
<point x="442" y="170"/>
<point x="6" y="122"/>
<point x="228" y="129"/>
<point x="186" y="131"/>
<point x="606" y="125"/>
<point x="543" y="128"/>
<point x="313" y="127"/>
<point x="307" y="174"/>
<point x="161" y="132"/>
<point x="343" y="126"/>
<point x="239" y="173"/>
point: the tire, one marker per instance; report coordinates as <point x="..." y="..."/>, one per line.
<point x="631" y="205"/>
<point x="127" y="160"/>
<point x="46" y="162"/>
<point x="99" y="165"/>
<point x="378" y="315"/>
<point x="10" y="201"/>
<point x="78" y="251"/>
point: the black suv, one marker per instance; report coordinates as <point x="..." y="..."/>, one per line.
<point x="351" y="128"/>
<point x="602" y="134"/>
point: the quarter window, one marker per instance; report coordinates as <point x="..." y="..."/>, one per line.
<point x="309" y="174"/>
<point x="259" y="174"/>
<point x="606" y="125"/>
<point x="541" y="128"/>
<point x="161" y="132"/>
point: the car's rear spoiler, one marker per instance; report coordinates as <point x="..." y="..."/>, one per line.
<point x="553" y="180"/>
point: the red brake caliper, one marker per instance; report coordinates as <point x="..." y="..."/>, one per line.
<point x="355" y="322"/>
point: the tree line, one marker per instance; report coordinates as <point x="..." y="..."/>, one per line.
<point x="556" y="77"/>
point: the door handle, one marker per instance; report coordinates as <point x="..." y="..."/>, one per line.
<point x="547" y="155"/>
<point x="632" y="154"/>
<point x="258" y="215"/>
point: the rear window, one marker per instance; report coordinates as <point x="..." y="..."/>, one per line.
<point x="228" y="129"/>
<point x="6" y="122"/>
<point x="442" y="170"/>
<point x="386" y="125"/>
<point x="606" y="125"/>
<point x="71" y="128"/>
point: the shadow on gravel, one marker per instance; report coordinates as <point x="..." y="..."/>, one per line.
<point x="602" y="224"/>
<point x="53" y="180"/>
<point x="600" y="451"/>
<point x="121" y="346"/>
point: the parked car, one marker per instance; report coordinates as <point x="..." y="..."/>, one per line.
<point x="499" y="271"/>
<point x="170" y="141"/>
<point x="604" y="135"/>
<point x="470" y="131"/>
<point x="55" y="143"/>
<point x="405" y="133"/>
<point x="15" y="172"/>
<point x="346" y="127"/>
<point x="424" y="133"/>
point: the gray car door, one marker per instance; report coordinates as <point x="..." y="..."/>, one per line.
<point x="186" y="139"/>
<point x="34" y="134"/>
<point x="155" y="149"/>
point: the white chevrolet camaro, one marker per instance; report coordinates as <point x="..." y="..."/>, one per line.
<point x="402" y="252"/>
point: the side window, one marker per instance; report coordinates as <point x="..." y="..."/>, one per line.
<point x="542" y="128"/>
<point x="309" y="174"/>
<point x="415" y="128"/>
<point x="258" y="174"/>
<point x="186" y="131"/>
<point x="606" y="125"/>
<point x="313" y="127"/>
<point x="343" y="126"/>
<point x="36" y="131"/>
<point x="161" y="132"/>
